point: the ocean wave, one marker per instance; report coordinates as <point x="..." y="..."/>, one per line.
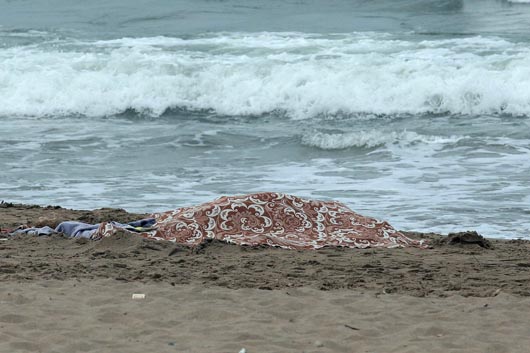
<point x="299" y="75"/>
<point x="371" y="139"/>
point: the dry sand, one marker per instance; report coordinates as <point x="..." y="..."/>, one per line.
<point x="100" y="316"/>
<point x="74" y="295"/>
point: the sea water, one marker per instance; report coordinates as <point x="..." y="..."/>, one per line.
<point x="413" y="111"/>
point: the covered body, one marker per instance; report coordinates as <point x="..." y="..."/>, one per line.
<point x="273" y="219"/>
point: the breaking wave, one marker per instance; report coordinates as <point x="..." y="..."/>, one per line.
<point x="370" y="139"/>
<point x="299" y="75"/>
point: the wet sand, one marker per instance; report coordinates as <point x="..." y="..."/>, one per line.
<point x="69" y="295"/>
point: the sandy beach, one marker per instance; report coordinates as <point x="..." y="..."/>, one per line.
<point x="74" y="295"/>
<point x="251" y="176"/>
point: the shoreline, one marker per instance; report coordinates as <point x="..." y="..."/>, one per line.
<point x="13" y="215"/>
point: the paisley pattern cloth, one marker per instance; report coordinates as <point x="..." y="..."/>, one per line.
<point x="273" y="219"/>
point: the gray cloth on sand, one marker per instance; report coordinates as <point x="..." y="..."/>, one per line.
<point x="82" y="230"/>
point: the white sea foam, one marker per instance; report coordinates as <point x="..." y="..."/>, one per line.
<point x="369" y="139"/>
<point x="300" y="75"/>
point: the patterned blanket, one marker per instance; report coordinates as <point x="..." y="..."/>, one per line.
<point x="273" y="219"/>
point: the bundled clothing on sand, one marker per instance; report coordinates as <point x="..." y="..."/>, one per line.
<point x="273" y="219"/>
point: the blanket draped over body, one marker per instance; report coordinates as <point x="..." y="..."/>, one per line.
<point x="273" y="219"/>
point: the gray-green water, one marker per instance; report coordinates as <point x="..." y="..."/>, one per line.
<point x="412" y="111"/>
